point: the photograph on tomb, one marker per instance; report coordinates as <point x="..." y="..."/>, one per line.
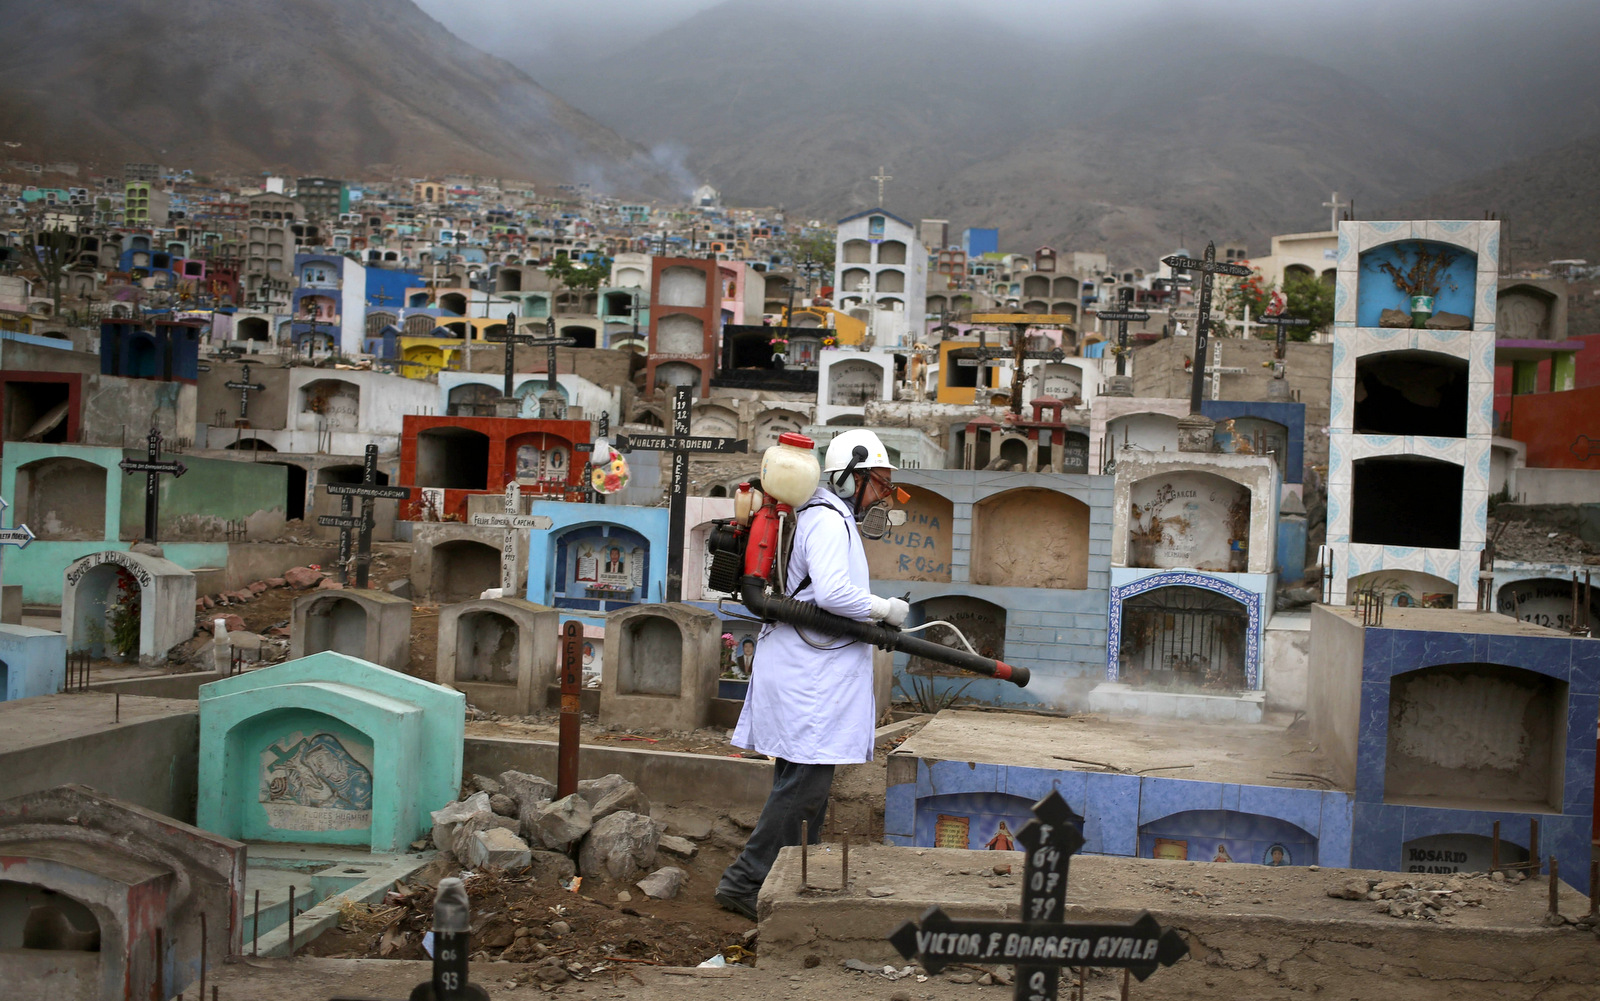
<point x="316" y="782"/>
<point x="980" y="821"/>
<point x="1406" y="589"/>
<point x="1190" y="520"/>
<point x="1228" y="836"/>
<point x="600" y="567"/>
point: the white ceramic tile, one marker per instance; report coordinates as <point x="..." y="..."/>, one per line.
<point x="1374" y="234"/>
<point x="1344" y="299"/>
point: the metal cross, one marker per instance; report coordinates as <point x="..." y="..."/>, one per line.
<point x="154" y="468"/>
<point x="1209" y="267"/>
<point x="244" y="385"/>
<point x="1122" y="314"/>
<point x="1283" y="322"/>
<point x="681" y="445"/>
<point x="369" y="489"/>
<point x="512" y="339"/>
<point x="1041" y="943"/>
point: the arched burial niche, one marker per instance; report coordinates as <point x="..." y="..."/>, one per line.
<point x="131" y="604"/>
<point x="313" y="777"/>
<point x="335" y="402"/>
<point x="1405" y="588"/>
<point x="854" y="382"/>
<point x="920" y="549"/>
<point x="1406" y="501"/>
<point x="1420" y="393"/>
<point x="1143" y="432"/>
<point x="1477" y="737"/>
<point x="61" y="498"/>
<point x="486" y="648"/>
<point x="1525" y="313"/>
<point x="473" y="399"/>
<point x="1185" y="639"/>
<point x="1031" y="537"/>
<point x="651" y="659"/>
<point x="336" y="623"/>
<point x="678" y="373"/>
<point x="1545" y="601"/>
<point x="500" y="652"/>
<point x="463" y="569"/>
<point x="1227" y="836"/>
<point x="39" y="918"/>
<point x="1189" y="520"/>
<point x="680" y="334"/>
<point x="683" y="286"/>
<point x="453" y="458"/>
<point x="982" y="622"/>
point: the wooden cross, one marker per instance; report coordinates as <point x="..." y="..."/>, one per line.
<point x="369" y="489"/>
<point x="1017" y="353"/>
<point x="512" y="339"/>
<point x="513" y="521"/>
<point x="1122" y="314"/>
<point x="1041" y="943"/>
<point x="244" y="385"/>
<point x="154" y="468"/>
<point x="681" y="445"/>
<point x="1209" y="267"/>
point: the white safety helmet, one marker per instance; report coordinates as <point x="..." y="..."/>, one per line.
<point x="841" y="451"/>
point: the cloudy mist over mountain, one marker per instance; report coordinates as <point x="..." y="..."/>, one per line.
<point x="1127" y="127"/>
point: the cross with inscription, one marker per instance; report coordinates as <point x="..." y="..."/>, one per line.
<point x="244" y="386"/>
<point x="369" y="489"/>
<point x="1209" y="267"/>
<point x="154" y="467"/>
<point x="1018" y="352"/>
<point x="19" y="537"/>
<point x="1122" y="314"/>
<point x="1041" y="943"/>
<point x="513" y="521"/>
<point x="681" y="445"/>
<point x="1283" y="323"/>
<point x="512" y="339"/>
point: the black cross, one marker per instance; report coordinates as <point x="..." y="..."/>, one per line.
<point x="1041" y="943"/>
<point x="1017" y="354"/>
<point x="1122" y="315"/>
<point x="1282" y="322"/>
<point x="368" y="490"/>
<point x="244" y="385"/>
<point x="153" y="468"/>
<point x="681" y="445"/>
<point x="1209" y="267"/>
<point x="512" y="339"/>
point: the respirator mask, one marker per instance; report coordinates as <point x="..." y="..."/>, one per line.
<point x="870" y="492"/>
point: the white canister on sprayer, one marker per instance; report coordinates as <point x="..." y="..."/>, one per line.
<point x="789" y="470"/>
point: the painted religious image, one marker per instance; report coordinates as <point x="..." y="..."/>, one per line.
<point x="974" y="821"/>
<point x="316" y="783"/>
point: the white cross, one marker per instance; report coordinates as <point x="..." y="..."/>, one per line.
<point x="1333" y="208"/>
<point x="1247" y="323"/>
<point x="1217" y="371"/>
<point x="508" y="549"/>
<point x="882" y="176"/>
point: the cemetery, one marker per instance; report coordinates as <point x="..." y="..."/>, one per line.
<point x="1261" y="665"/>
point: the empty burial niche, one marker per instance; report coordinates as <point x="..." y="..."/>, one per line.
<point x="1184" y="639"/>
<point x="1031" y="538"/>
<point x="486" y="648"/>
<point x="337" y="624"/>
<point x="1476" y="736"/>
<point x="1189" y="519"/>
<point x="1411" y="393"/>
<point x="463" y="569"/>
<point x="33" y="917"/>
<point x="61" y="498"/>
<point x="453" y="458"/>
<point x="982" y="623"/>
<point x="36" y="411"/>
<point x="1406" y="501"/>
<point x="651" y="660"/>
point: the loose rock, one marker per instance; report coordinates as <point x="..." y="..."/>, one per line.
<point x="551" y="867"/>
<point x="503" y="805"/>
<point x="559" y="825"/>
<point x="680" y="847"/>
<point x="301" y="578"/>
<point x="498" y="848"/>
<point x="594" y="790"/>
<point x="446" y="818"/>
<point x="664" y="883"/>
<point x="623" y="797"/>
<point x="621" y="847"/>
<point x="483" y="783"/>
<point x="528" y="790"/>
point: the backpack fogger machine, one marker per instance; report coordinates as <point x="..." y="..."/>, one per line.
<point x="749" y="557"/>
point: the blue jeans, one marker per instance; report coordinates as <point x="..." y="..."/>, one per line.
<point x="799" y="793"/>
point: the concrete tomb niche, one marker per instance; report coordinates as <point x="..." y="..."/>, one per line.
<point x="1254" y="436"/>
<point x="678" y="373"/>
<point x="500" y="652"/>
<point x="982" y="622"/>
<point x="1143" y="432"/>
<point x="1060" y="380"/>
<point x="769" y="424"/>
<point x="682" y="286"/>
<point x="105" y="589"/>
<point x="1227" y="836"/>
<point x="920" y="549"/>
<point x="1189" y="519"/>
<point x="453" y="458"/>
<point x="854" y="382"/>
<point x="1184" y="639"/>
<point x="601" y="568"/>
<point x="372" y="625"/>
<point x="462" y="569"/>
<point x="328" y="749"/>
<point x="32" y="662"/>
<point x="1406" y="501"/>
<point x="661" y="666"/>
<point x="1030" y="537"/>
<point x="1421" y="393"/>
<point x="1544" y="601"/>
<point x="1447" y="853"/>
<point x="714" y="421"/>
<point x="1524" y="313"/>
<point x="61" y="498"/>
<point x="333" y="404"/>
<point x="680" y="334"/>
<point x="1405" y="588"/>
<point x="1476" y="736"/>
<point x="103" y="899"/>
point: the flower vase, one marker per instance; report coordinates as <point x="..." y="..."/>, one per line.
<point x="1421" y="310"/>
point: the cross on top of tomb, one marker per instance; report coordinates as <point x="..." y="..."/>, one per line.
<point x="1209" y="267"/>
<point x="1122" y="314"/>
<point x="513" y="521"/>
<point x="154" y="467"/>
<point x="681" y="444"/>
<point x="511" y="339"/>
<point x="1041" y="943"/>
<point x="369" y="489"/>
<point x="1333" y="206"/>
<point x="244" y="386"/>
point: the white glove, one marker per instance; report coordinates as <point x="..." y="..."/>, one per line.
<point x="890" y="611"/>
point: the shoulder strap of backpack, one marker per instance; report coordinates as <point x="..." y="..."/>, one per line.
<point x="806" y="580"/>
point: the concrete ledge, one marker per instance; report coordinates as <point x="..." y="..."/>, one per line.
<point x="1116" y="699"/>
<point x="159" y="686"/>
<point x="1253" y="931"/>
<point x="666" y="777"/>
<point x="313" y="922"/>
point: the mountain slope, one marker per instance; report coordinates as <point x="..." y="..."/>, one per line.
<point x="1128" y="138"/>
<point x="343" y="87"/>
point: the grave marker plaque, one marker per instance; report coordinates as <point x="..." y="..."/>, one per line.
<point x="681" y="444"/>
<point x="1041" y="944"/>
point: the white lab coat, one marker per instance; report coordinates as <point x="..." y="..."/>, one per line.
<point x="807" y="705"/>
